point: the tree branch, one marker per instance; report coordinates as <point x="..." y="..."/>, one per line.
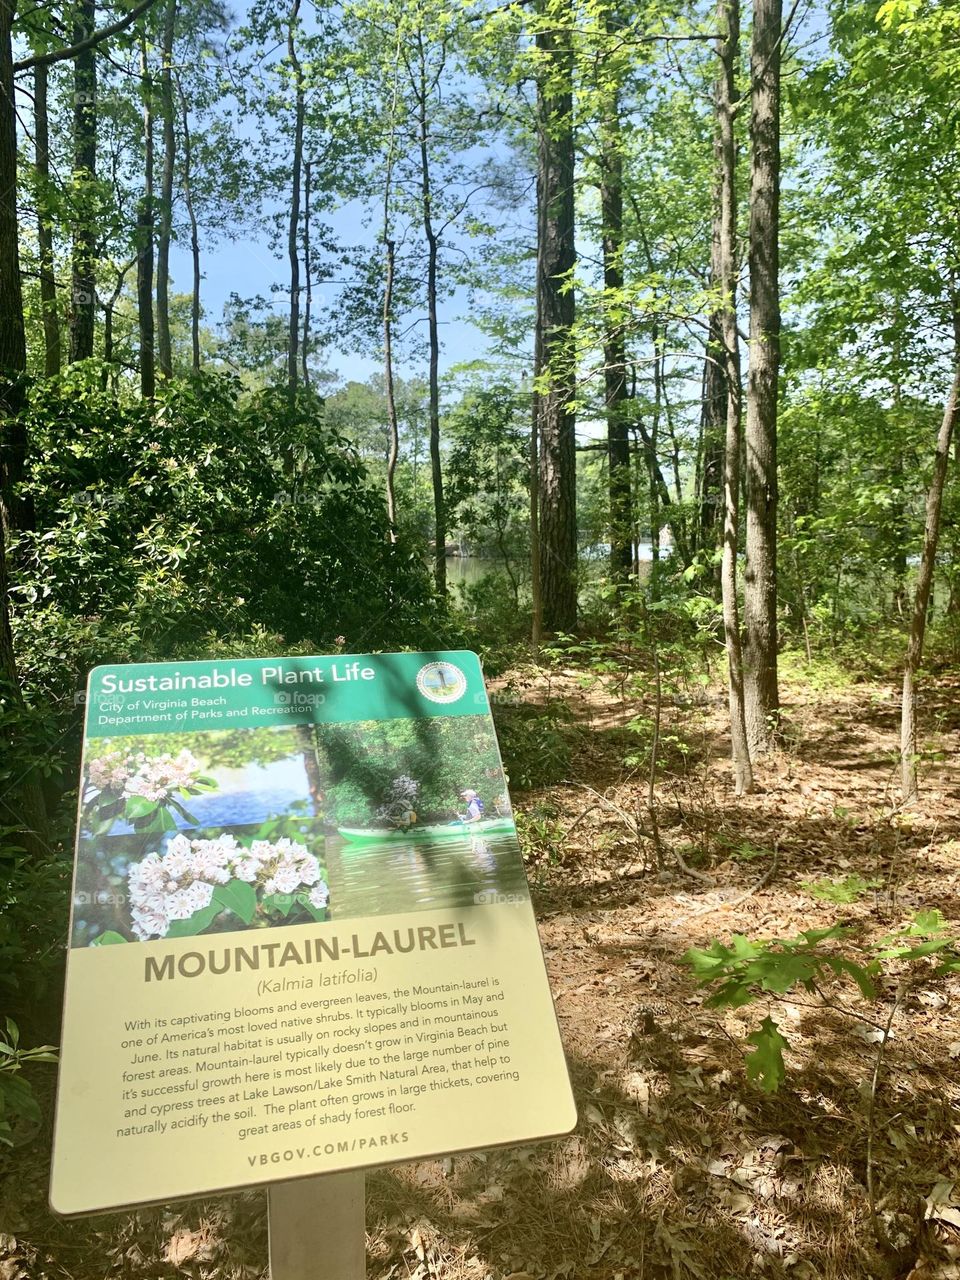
<point x="95" y="38"/>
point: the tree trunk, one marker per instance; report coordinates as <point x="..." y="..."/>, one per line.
<point x="713" y="396"/>
<point x="84" y="285"/>
<point x="48" y="279"/>
<point x="614" y="340"/>
<point x="14" y="511"/>
<point x="657" y="484"/>
<point x="393" y="426"/>
<point x="710" y="447"/>
<point x="536" y="598"/>
<point x="293" y="232"/>
<point x="164" y="348"/>
<point x="148" y="379"/>
<point x="426" y="194"/>
<point x="556" y="370"/>
<point x="760" y="578"/>
<point x="921" y="600"/>
<point x="194" y="232"/>
<point x="728" y="20"/>
<point x="308" y="299"/>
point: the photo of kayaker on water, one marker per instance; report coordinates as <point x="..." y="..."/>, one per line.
<point x="418" y="815"/>
<point x="216" y="831"/>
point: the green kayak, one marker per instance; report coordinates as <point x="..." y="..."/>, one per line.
<point x="436" y="831"/>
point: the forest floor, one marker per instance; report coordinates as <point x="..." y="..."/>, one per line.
<point x="680" y="1166"/>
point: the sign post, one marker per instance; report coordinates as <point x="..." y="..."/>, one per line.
<point x="301" y="942"/>
<point x="317" y="1228"/>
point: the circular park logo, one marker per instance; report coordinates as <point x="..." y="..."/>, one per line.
<point x="441" y="682"/>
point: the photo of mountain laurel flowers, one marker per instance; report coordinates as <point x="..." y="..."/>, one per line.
<point x="183" y="834"/>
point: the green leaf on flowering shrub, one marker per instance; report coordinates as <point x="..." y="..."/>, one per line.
<point x="138" y="807"/>
<point x="280" y="902"/>
<point x="318" y="913"/>
<point x="185" y="813"/>
<point x="196" y="923"/>
<point x="765" y="1064"/>
<point x="110" y="938"/>
<point x="237" y="896"/>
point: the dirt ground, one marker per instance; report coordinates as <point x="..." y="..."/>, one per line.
<point x="680" y="1166"/>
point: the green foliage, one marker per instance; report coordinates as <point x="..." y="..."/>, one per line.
<point x="443" y="755"/>
<point x="765" y="1064"/>
<point x="18" y="1105"/>
<point x="850" y="889"/>
<point x="210" y="513"/>
<point x="540" y="833"/>
<point x="743" y="971"/>
<point x="536" y="742"/>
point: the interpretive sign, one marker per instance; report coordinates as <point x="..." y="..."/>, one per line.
<point x="301" y="938"/>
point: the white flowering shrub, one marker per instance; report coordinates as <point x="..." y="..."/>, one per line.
<point x="182" y="891"/>
<point x="144" y="790"/>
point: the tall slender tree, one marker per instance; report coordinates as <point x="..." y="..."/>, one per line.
<point x="48" y="281"/>
<point x="84" y="259"/>
<point x="296" y="178"/>
<point x="145" y="237"/>
<point x="425" y="78"/>
<point x="760" y="577"/>
<point x="167" y="170"/>
<point x="614" y="324"/>
<point x="725" y="241"/>
<point x="556" y="314"/>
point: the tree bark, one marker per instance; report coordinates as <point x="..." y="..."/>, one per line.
<point x="392" y="424"/>
<point x="556" y="370"/>
<point x="614" y="340"/>
<point x="308" y="299"/>
<point x="84" y="285"/>
<point x="713" y="395"/>
<point x="760" y="578"/>
<point x="48" y="280"/>
<point x="165" y="230"/>
<point x="536" y="597"/>
<point x="710" y="446"/>
<point x="14" y="511"/>
<point x="194" y="232"/>
<point x="728" y="21"/>
<point x="921" y="600"/>
<point x="293" y="232"/>
<point x="145" y="212"/>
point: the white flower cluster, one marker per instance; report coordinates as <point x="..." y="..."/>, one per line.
<point x="155" y="778"/>
<point x="172" y="886"/>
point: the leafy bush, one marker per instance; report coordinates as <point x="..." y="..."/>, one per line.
<point x="536" y="744"/>
<point x="18" y="1106"/>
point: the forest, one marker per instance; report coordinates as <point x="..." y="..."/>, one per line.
<point x="621" y="344"/>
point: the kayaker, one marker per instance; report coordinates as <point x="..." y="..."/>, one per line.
<point x="474" y="806"/>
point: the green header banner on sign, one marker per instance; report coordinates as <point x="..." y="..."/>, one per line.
<point x="252" y="692"/>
